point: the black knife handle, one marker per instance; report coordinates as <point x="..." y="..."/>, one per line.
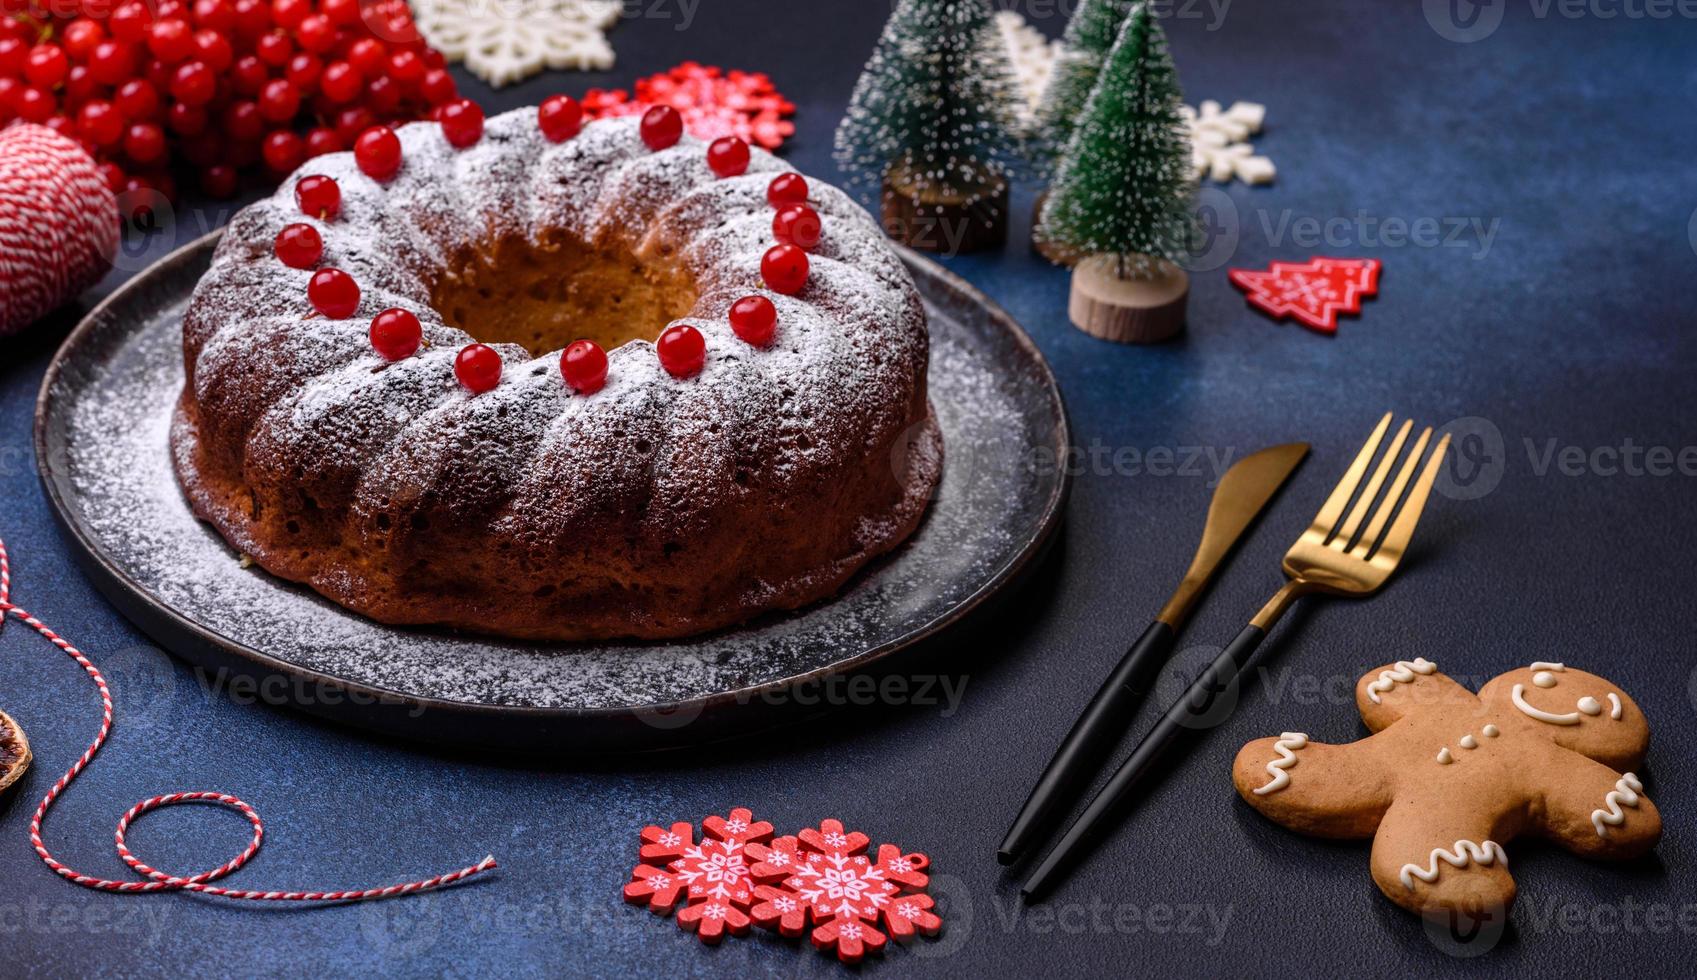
<point x="1092" y="737"/>
<point x="1194" y="712"/>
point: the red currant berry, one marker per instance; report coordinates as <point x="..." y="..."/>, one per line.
<point x="321" y="140"/>
<point x="407" y="68"/>
<point x="46" y="65"/>
<point x="662" y="127"/>
<point x="754" y="319"/>
<point x="462" y="123"/>
<point x="279" y="101"/>
<point x="787" y="189"/>
<point x="137" y="101"/>
<point x="80" y="37"/>
<point x="288" y="14"/>
<point x="378" y="153"/>
<point x="438" y="87"/>
<point x="8" y="88"/>
<point x="212" y="48"/>
<point x="13" y="53"/>
<point x="584" y="366"/>
<point x="144" y="143"/>
<point x="170" y="40"/>
<point x="319" y="197"/>
<point x="114" y="176"/>
<point x="396" y="334"/>
<point x="219" y="181"/>
<point x="274" y="49"/>
<point x="333" y="293"/>
<point x="253" y="19"/>
<point x="383" y="96"/>
<point x="242" y="121"/>
<point x="215" y="15"/>
<point x="316" y="33"/>
<point x="341" y="82"/>
<point x="101" y="123"/>
<point x="112" y="63"/>
<point x="785" y="268"/>
<point x="80" y="87"/>
<point x="305" y="71"/>
<point x="798" y="225"/>
<point x="33" y="105"/>
<point x="728" y="156"/>
<point x="248" y="75"/>
<point x="194" y="84"/>
<point x="342" y="13"/>
<point x="186" y="120"/>
<point x="369" y="56"/>
<point x="129" y="22"/>
<point x="299" y="246"/>
<point x="561" y="117"/>
<point x="283" y="151"/>
<point x="353" y="121"/>
<point x="682" y="350"/>
<point x="478" y="367"/>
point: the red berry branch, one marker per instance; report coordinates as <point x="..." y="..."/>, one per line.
<point x="212" y="88"/>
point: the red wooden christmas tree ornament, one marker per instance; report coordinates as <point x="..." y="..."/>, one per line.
<point x="1313" y="293"/>
<point x="711" y="877"/>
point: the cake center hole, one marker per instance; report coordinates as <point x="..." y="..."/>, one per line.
<point x="543" y="296"/>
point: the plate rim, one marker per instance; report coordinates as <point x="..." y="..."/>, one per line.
<point x="109" y="577"/>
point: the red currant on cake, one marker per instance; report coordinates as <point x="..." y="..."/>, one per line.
<point x="682" y="350"/>
<point x="798" y="225"/>
<point x="584" y="365"/>
<point x="378" y="153"/>
<point x="478" y="368"/>
<point x="319" y="196"/>
<point x="396" y="334"/>
<point x="462" y="123"/>
<point x="333" y="293"/>
<point x="299" y="246"/>
<point x="787" y="189"/>
<point x="754" y="319"/>
<point x="727" y="156"/>
<point x="785" y="268"/>
<point x="662" y="127"/>
<point x="560" y="117"/>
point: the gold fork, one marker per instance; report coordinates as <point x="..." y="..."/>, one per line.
<point x="1329" y="558"/>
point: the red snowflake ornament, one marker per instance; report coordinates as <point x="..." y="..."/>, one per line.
<point x="714" y="103"/>
<point x="1314" y="292"/>
<point x="825" y="876"/>
<point x="712" y="877"/>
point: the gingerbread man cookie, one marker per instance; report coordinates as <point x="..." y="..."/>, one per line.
<point x="1450" y="777"/>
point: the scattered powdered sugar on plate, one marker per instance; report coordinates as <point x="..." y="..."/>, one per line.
<point x="1000" y="419"/>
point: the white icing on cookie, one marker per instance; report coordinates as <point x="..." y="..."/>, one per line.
<point x="1444" y="757"/>
<point x="1402" y="673"/>
<point x="1518" y="696"/>
<point x="1466" y="852"/>
<point x="1590" y="705"/>
<point x="1625" y="792"/>
<point x="1546" y="665"/>
<point x="1614" y="706"/>
<point x="1489" y="731"/>
<point x="1544" y="678"/>
<point x="1469" y="742"/>
<point x="1288" y="741"/>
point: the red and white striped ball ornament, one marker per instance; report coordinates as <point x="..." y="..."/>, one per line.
<point x="58" y="223"/>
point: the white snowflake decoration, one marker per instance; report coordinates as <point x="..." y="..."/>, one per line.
<point x="1220" y="148"/>
<point x="505" y="41"/>
<point x="1033" y="57"/>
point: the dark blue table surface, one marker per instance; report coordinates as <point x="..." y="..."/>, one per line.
<point x="1567" y="326"/>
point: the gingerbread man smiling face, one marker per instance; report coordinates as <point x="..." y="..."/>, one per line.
<point x="1449" y="778"/>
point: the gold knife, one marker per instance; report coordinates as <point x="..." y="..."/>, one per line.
<point x="1243" y="493"/>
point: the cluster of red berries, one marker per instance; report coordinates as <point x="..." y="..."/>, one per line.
<point x="396" y="334"/>
<point x="214" y="86"/>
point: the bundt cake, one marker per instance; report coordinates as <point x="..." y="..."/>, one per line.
<point x="378" y="405"/>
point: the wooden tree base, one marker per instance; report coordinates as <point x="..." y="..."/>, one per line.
<point x="1053" y="251"/>
<point x="933" y="219"/>
<point x="1144" y="310"/>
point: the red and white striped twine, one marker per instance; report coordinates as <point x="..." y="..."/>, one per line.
<point x="159" y="880"/>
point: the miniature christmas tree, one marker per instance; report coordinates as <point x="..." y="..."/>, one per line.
<point x="1124" y="187"/>
<point x="930" y="122"/>
<point x="1089" y="37"/>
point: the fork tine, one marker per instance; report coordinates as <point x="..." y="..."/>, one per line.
<point x="1394" y="495"/>
<point x="1396" y="540"/>
<point x="1332" y="509"/>
<point x="1371" y="492"/>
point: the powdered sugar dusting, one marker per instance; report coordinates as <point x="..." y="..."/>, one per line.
<point x="997" y="413"/>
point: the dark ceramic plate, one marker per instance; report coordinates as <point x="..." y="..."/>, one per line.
<point x="101" y="426"/>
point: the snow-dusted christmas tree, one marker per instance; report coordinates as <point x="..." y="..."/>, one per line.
<point x="1089" y="37"/>
<point x="1123" y="187"/>
<point x="932" y="117"/>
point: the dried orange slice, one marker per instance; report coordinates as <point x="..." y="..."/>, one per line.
<point x="14" y="752"/>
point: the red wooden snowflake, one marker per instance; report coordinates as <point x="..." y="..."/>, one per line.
<point x="713" y="877"/>
<point x="1314" y="293"/>
<point x="825" y="876"/>
<point x="713" y="102"/>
